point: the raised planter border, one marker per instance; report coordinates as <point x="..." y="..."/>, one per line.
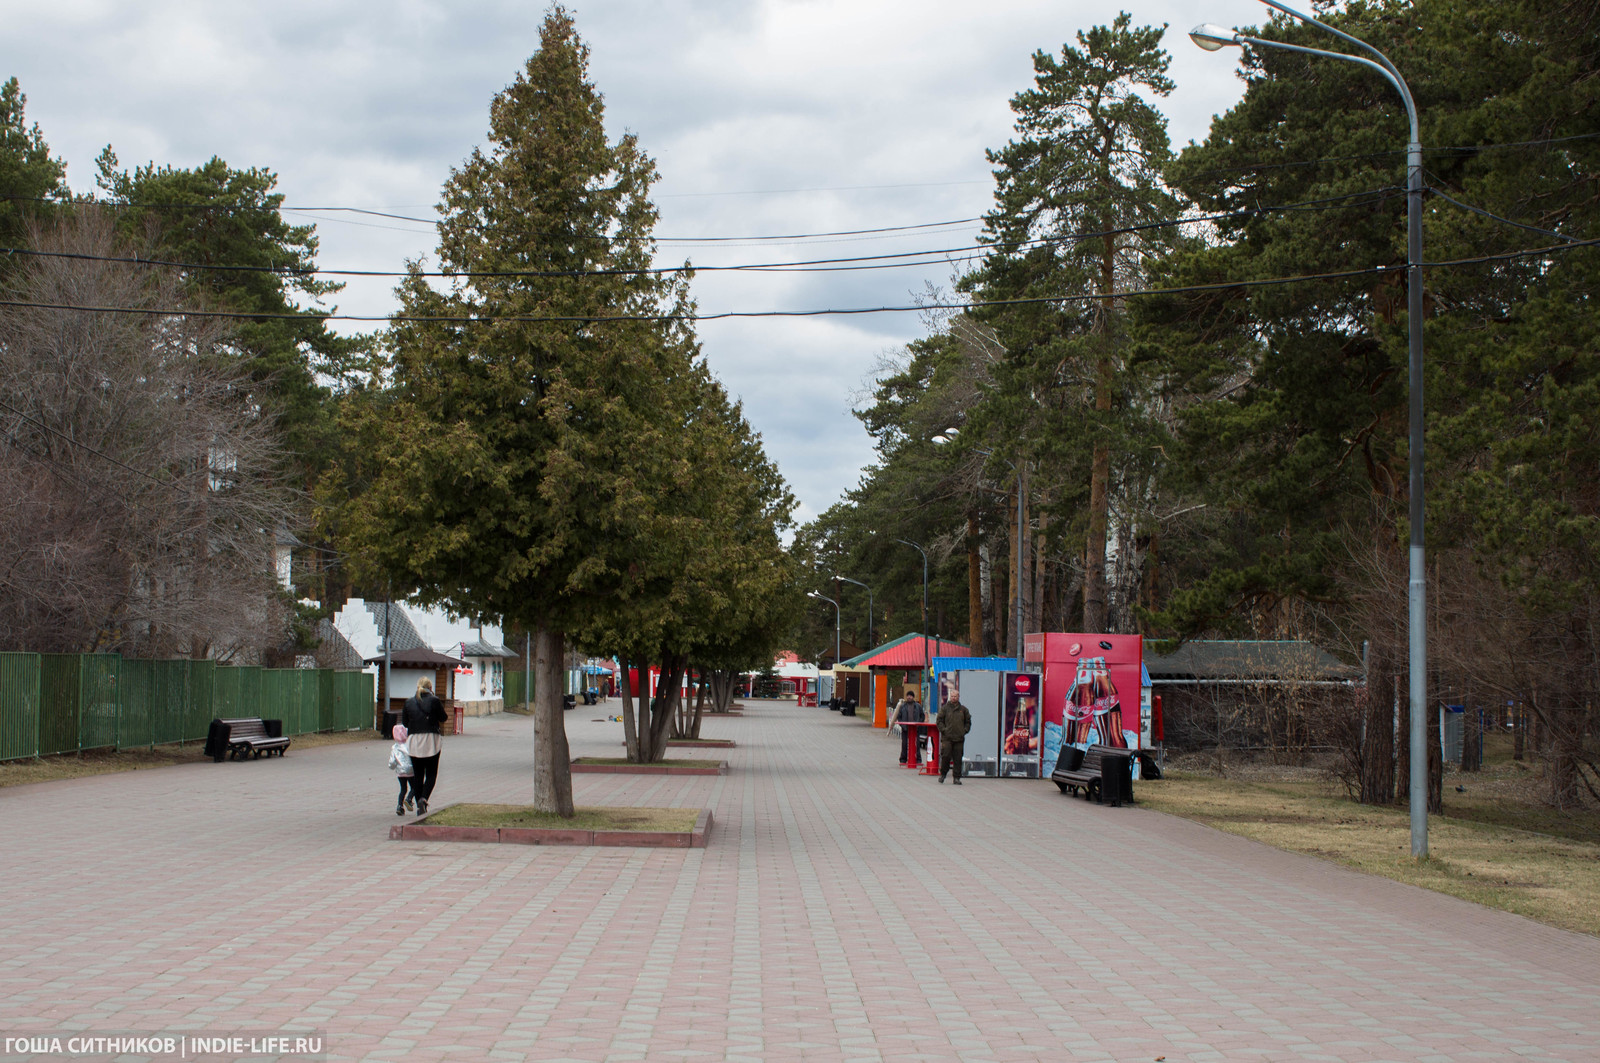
<point x="645" y="769"/>
<point x="697" y="838"/>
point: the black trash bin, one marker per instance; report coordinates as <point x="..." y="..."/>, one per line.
<point x="1116" y="779"/>
<point x="1070" y="759"/>
<point x="390" y="718"/>
<point x="569" y="700"/>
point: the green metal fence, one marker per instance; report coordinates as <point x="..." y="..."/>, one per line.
<point x="19" y="687"/>
<point x="515" y="690"/>
<point x="63" y="702"/>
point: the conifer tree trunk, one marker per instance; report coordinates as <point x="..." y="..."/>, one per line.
<point x="552" y="775"/>
<point x="1094" y="556"/>
<point x="1014" y="575"/>
<point x="974" y="586"/>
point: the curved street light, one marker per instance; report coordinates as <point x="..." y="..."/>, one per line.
<point x="836" y="621"/>
<point x="925" y="661"/>
<point x="1212" y="38"/>
<point x="870" y="641"/>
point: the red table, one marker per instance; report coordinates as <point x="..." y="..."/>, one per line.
<point x="916" y="732"/>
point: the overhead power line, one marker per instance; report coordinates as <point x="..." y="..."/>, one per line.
<point x="115" y="205"/>
<point x="21" y="414"/>
<point x="899" y="259"/>
<point x="1060" y="300"/>
<point x="1504" y="221"/>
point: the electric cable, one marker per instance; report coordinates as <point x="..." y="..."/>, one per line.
<point x="1260" y="282"/>
<point x="1252" y="167"/>
<point x="818" y="265"/>
<point x="1498" y="218"/>
<point x="115" y="205"/>
<point x="81" y="444"/>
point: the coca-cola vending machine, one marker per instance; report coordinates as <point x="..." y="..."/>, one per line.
<point x="1019" y="725"/>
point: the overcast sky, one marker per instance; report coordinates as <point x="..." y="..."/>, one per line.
<point x="766" y="118"/>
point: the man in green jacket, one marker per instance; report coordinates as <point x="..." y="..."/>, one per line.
<point x="954" y="723"/>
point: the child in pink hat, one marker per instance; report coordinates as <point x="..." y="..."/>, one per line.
<point x="400" y="764"/>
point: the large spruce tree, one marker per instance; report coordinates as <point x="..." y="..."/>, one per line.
<point x="536" y="411"/>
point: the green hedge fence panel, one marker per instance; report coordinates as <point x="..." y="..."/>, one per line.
<point x="19" y="705"/>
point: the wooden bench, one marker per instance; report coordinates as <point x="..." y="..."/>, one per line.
<point x="1086" y="776"/>
<point x="243" y="739"/>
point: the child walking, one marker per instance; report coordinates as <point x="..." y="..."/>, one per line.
<point x="400" y="764"/>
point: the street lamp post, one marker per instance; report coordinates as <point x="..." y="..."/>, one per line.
<point x="836" y="622"/>
<point x="925" y="661"/>
<point x="870" y="641"/>
<point x="1211" y="38"/>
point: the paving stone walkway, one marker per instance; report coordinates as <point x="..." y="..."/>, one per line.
<point x="845" y="909"/>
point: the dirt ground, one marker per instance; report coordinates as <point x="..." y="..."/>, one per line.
<point x="1497" y="843"/>
<point x="102" y="761"/>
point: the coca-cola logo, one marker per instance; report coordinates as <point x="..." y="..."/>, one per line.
<point x="1075" y="649"/>
<point x="1023" y="684"/>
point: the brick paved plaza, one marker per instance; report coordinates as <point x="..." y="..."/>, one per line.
<point x="845" y="909"/>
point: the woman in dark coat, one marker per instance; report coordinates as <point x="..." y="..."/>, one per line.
<point x="422" y="715"/>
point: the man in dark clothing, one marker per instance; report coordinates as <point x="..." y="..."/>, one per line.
<point x="908" y="711"/>
<point x="954" y="723"/>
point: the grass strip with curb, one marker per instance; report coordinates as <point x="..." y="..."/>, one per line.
<point x="589" y="817"/>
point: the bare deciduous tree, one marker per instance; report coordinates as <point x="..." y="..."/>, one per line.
<point x="135" y="464"/>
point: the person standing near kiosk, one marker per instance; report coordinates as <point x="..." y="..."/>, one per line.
<point x="908" y="711"/>
<point x="954" y="723"/>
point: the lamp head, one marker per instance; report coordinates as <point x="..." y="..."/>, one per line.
<point x="1212" y="37"/>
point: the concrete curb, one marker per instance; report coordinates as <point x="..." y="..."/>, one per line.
<point x="697" y="838"/>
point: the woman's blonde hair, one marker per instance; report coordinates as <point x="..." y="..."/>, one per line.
<point x="424" y="685"/>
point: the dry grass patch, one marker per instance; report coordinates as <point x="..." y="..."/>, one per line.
<point x="593" y="817"/>
<point x="106" y="761"/>
<point x="669" y="762"/>
<point x="1552" y="879"/>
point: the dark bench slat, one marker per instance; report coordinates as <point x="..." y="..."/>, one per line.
<point x="1086" y="776"/>
<point x="248" y="737"/>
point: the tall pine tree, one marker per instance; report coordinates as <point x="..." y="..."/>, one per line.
<point x="1077" y="190"/>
